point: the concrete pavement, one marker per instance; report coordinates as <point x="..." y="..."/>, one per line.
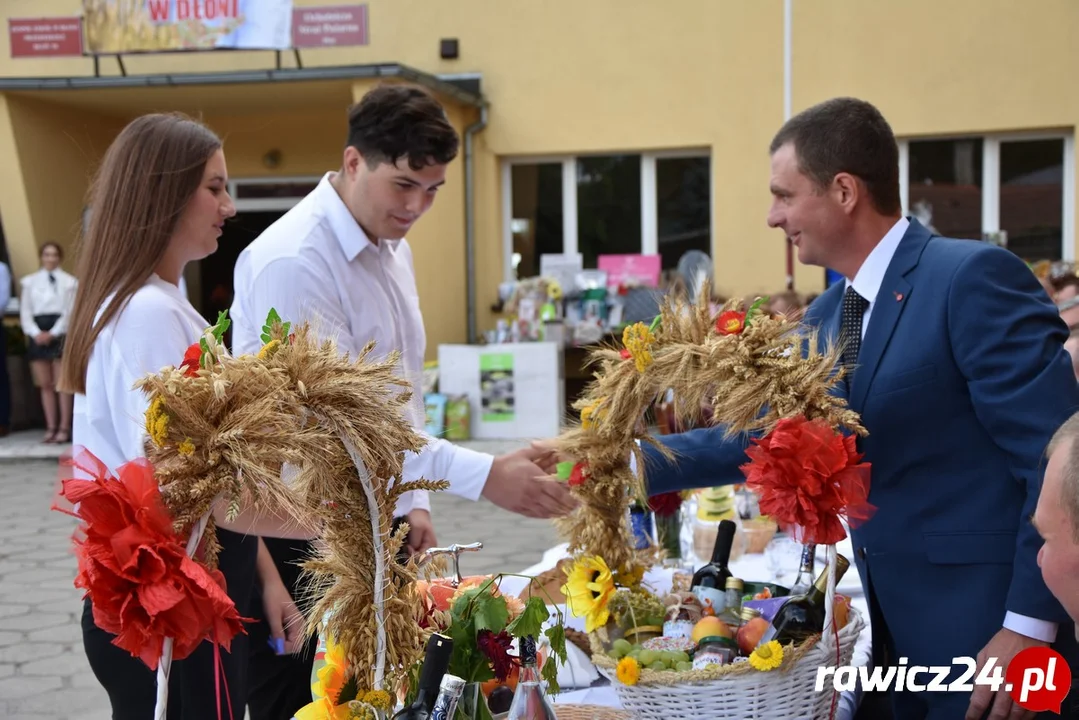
<point x="44" y="674"/>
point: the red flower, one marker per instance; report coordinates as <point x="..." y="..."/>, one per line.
<point x="626" y="354"/>
<point x="579" y="475"/>
<point x="136" y="571"/>
<point x="497" y="649"/>
<point x="192" y="360"/>
<point x="808" y="475"/>
<point x="731" y="322"/>
<point x="665" y="504"/>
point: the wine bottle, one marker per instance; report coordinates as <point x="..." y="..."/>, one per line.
<point x="803" y="615"/>
<point x="449" y="693"/>
<point x="530" y="700"/>
<point x="732" y="603"/>
<point x="710" y="580"/>
<point x="435" y="662"/>
<point x="804" y="580"/>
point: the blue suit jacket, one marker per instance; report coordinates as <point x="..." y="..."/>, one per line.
<point x="962" y="380"/>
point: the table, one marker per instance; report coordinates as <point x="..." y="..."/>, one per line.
<point x="581" y="684"/>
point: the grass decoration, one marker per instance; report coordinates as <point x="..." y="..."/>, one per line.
<point x="301" y="431"/>
<point x="753" y="369"/>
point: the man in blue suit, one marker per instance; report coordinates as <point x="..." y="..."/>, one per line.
<point x="960" y="375"/>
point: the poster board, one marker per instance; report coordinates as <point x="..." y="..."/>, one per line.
<point x="515" y="391"/>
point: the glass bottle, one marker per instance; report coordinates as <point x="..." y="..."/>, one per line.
<point x="710" y="581"/>
<point x="449" y="693"/>
<point x="435" y="662"/>
<point x="803" y="615"/>
<point x="732" y="603"/>
<point x="804" y="580"/>
<point x="530" y="699"/>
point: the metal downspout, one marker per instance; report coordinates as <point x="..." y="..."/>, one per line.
<point x="470" y="220"/>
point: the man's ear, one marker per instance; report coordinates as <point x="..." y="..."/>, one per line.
<point x="847" y="191"/>
<point x="351" y="161"/>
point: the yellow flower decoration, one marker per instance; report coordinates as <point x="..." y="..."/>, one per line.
<point x="591" y="414"/>
<point x="638" y="340"/>
<point x="631" y="577"/>
<point x="628" y="671"/>
<point x="378" y="698"/>
<point x="554" y="290"/>
<point x="768" y="656"/>
<point x="588" y="589"/>
<point x="186" y="448"/>
<point x="157" y="421"/>
<point x="269" y="349"/>
<point x="331" y="680"/>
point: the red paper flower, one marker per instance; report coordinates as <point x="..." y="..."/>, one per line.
<point x="808" y="475"/>
<point x="665" y="504"/>
<point x="136" y="571"/>
<point x="626" y="354"/>
<point x="731" y="322"/>
<point x="192" y="360"/>
<point x="579" y="475"/>
<point x="496" y="648"/>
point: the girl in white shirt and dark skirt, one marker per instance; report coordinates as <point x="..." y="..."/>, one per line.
<point x="159" y="202"/>
<point x="44" y="311"/>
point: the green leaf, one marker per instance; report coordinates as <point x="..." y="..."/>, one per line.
<point x="530" y="621"/>
<point x="655" y="323"/>
<point x="755" y="308"/>
<point x="221" y="326"/>
<point x="556" y="634"/>
<point x="550" y="674"/>
<point x="491" y="613"/>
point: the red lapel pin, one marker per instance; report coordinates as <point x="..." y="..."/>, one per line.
<point x="898" y="297"/>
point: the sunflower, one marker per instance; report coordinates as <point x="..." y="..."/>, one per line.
<point x="768" y="656"/>
<point x="327" y="690"/>
<point x="589" y="586"/>
<point x="628" y="671"/>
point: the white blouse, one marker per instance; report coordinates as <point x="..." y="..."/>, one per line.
<point x="42" y="296"/>
<point x="153" y="331"/>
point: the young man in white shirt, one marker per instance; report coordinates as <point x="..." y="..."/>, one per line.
<point x="339" y="260"/>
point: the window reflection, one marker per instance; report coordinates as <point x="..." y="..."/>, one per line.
<point x="1032" y="197"/>
<point x="946" y="186"/>
<point x="536" y="222"/>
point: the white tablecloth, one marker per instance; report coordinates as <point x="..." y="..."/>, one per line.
<point x="583" y="685"/>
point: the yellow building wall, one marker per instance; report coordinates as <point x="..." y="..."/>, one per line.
<point x="566" y="77"/>
<point x="49" y="157"/>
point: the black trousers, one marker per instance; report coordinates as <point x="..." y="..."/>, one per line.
<point x="279" y="685"/>
<point x="132" y="686"/>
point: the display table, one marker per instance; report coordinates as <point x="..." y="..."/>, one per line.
<point x="582" y="684"/>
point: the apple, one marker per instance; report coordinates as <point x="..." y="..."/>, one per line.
<point x="749" y="635"/>
<point x="710" y="626"/>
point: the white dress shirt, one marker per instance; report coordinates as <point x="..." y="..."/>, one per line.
<point x="41" y="296"/>
<point x="5" y="287"/>
<point x="153" y="331"/>
<point x="316" y="265"/>
<point x="867" y="283"/>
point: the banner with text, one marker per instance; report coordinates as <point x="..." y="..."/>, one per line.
<point x="131" y="26"/>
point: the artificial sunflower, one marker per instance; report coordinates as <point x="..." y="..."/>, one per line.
<point x="157" y="421"/>
<point x="327" y="690"/>
<point x="588" y="589"/>
<point x="768" y="656"/>
<point x="628" y="671"/>
<point x="638" y="339"/>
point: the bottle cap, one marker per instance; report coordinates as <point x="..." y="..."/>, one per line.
<point x="748" y="613"/>
<point x="452" y="685"/>
<point x="734" y="583"/>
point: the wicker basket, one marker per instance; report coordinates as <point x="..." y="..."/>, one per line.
<point x="590" y="712"/>
<point x="787" y="692"/>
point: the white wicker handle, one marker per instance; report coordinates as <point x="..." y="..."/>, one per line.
<point x="164" y="664"/>
<point x="828" y="635"/>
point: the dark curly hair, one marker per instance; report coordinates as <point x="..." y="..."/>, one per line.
<point x="396" y="121"/>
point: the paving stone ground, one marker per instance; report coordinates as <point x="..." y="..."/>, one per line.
<point x="44" y="674"/>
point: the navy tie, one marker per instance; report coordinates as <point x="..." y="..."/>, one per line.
<point x="850" y="328"/>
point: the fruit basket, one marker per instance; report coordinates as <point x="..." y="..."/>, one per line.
<point x="766" y="378"/>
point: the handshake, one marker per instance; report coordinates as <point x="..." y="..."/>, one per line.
<point x="522" y="482"/>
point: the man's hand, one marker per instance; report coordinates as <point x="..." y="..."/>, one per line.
<point x="547" y="456"/>
<point x="285" y="620"/>
<point x="1005" y="645"/>
<point x="518" y="484"/>
<point x="421" y="531"/>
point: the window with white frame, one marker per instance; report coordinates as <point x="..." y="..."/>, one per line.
<point x="1014" y="189"/>
<point x="653" y="203"/>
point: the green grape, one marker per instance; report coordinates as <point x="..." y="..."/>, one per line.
<point x="647" y="657"/>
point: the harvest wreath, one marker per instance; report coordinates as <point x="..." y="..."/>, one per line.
<point x="769" y="378"/>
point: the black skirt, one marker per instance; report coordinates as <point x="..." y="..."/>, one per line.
<point x="54" y="350"/>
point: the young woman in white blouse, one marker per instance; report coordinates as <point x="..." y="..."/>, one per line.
<point x="44" y="310"/>
<point x="160" y="201"/>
